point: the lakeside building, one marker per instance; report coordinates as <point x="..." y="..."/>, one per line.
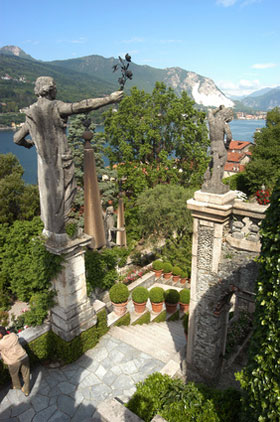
<point x="238" y="156"/>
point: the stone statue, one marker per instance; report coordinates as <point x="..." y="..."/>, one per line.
<point x="46" y="123"/>
<point x="218" y="120"/>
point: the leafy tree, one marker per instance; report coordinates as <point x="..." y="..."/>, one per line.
<point x="264" y="167"/>
<point x="162" y="213"/>
<point x="18" y="201"/>
<point x="260" y="379"/>
<point x="155" y="128"/>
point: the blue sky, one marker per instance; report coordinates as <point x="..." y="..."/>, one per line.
<point x="234" y="42"/>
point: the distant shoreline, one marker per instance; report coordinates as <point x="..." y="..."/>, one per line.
<point x="7" y="128"/>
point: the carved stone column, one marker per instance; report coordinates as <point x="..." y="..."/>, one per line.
<point x="207" y="329"/>
<point x="73" y="312"/>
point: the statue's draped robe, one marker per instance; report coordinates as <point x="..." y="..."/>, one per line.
<point x="55" y="163"/>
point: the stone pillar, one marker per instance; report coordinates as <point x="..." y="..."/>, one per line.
<point x="94" y="225"/>
<point x="73" y="312"/>
<point x="207" y="327"/>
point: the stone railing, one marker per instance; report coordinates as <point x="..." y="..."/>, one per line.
<point x="244" y="226"/>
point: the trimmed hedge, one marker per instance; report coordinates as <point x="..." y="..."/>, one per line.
<point x="185" y="296"/>
<point x="161" y="317"/>
<point x="124" y="320"/>
<point x="140" y="294"/>
<point x="51" y="347"/>
<point x="156" y="294"/>
<point x="144" y="319"/>
<point x="119" y="293"/>
<point x="171" y="296"/>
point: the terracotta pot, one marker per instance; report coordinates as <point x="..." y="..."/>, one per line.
<point x="157" y="307"/>
<point x="139" y="307"/>
<point x="171" y="307"/>
<point x="176" y="278"/>
<point x="119" y="308"/>
<point x="184" y="307"/>
<point x="167" y="276"/>
<point x="183" y="280"/>
<point x="157" y="273"/>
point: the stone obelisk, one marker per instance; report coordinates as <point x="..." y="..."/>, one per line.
<point x="94" y="225"/>
<point x="121" y="234"/>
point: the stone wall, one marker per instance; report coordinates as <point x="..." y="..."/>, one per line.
<point x="225" y="245"/>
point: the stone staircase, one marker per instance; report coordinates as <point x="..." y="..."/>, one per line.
<point x="164" y="341"/>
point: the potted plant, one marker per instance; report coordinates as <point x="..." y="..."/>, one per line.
<point x="184" y="300"/>
<point x="184" y="277"/>
<point x="157" y="267"/>
<point x="176" y="272"/>
<point x="157" y="298"/>
<point x="167" y="270"/>
<point x="171" y="297"/>
<point x="119" y="295"/>
<point x="140" y="296"/>
<point x="185" y="322"/>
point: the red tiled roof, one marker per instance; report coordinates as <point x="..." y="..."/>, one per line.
<point x="234" y="167"/>
<point x="238" y="144"/>
<point x="234" y="157"/>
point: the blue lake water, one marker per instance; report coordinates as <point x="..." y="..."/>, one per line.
<point x="242" y="130"/>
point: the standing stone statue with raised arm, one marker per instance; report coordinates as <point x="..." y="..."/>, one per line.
<point x="219" y="129"/>
<point x="46" y="123"/>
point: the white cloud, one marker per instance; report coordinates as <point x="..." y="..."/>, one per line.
<point x="243" y="87"/>
<point x="80" y="40"/>
<point x="226" y="3"/>
<point x="263" y="65"/>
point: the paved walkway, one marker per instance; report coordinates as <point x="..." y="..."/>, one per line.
<point x="72" y="393"/>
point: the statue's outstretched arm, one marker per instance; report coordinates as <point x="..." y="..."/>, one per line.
<point x="66" y="109"/>
<point x="19" y="137"/>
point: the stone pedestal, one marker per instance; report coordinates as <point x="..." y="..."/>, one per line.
<point x="73" y="312"/>
<point x="207" y="327"/>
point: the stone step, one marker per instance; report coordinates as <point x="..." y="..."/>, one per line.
<point x="157" y="343"/>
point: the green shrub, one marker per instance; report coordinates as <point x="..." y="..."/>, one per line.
<point x="157" y="265"/>
<point x="156" y="294"/>
<point x="185" y="296"/>
<point x="172" y="399"/>
<point x="72" y="230"/>
<point x="144" y="319"/>
<point x="124" y="320"/>
<point x="176" y="270"/>
<point x="175" y="316"/>
<point x="185" y="322"/>
<point x="119" y="293"/>
<point x="101" y="269"/>
<point x="167" y="267"/>
<point x="4" y="318"/>
<point x="161" y="317"/>
<point x="140" y="294"/>
<point x="171" y="296"/>
<point x="39" y="303"/>
<point x="184" y="274"/>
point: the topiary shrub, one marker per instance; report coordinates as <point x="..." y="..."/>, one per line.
<point x="176" y="270"/>
<point x="140" y="294"/>
<point x="184" y="274"/>
<point x="171" y="296"/>
<point x="119" y="293"/>
<point x="156" y="295"/>
<point x="185" y="296"/>
<point x="167" y="267"/>
<point x="157" y="265"/>
<point x="171" y="399"/>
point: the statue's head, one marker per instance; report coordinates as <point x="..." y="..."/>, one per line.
<point x="45" y="87"/>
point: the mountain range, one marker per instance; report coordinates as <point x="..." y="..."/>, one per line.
<point x="91" y="76"/>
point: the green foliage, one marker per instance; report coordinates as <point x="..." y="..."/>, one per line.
<point x="157" y="265"/>
<point x="26" y="267"/>
<point x="124" y="320"/>
<point x="237" y="181"/>
<point x="185" y="322"/>
<point x="156" y="294"/>
<point x="171" y="399"/>
<point x="238" y="331"/>
<point x="175" y="316"/>
<point x="144" y="319"/>
<point x="18" y="201"/>
<point x="140" y="294"/>
<point x="39" y="303"/>
<point x="151" y="127"/>
<point x="167" y="267"/>
<point x="71" y="229"/>
<point x="161" y="317"/>
<point x="176" y="270"/>
<point x="185" y="296"/>
<point x="119" y="293"/>
<point x="171" y="296"/>
<point x="264" y="167"/>
<point x="260" y="379"/>
<point x="4" y="318"/>
<point x="101" y="269"/>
